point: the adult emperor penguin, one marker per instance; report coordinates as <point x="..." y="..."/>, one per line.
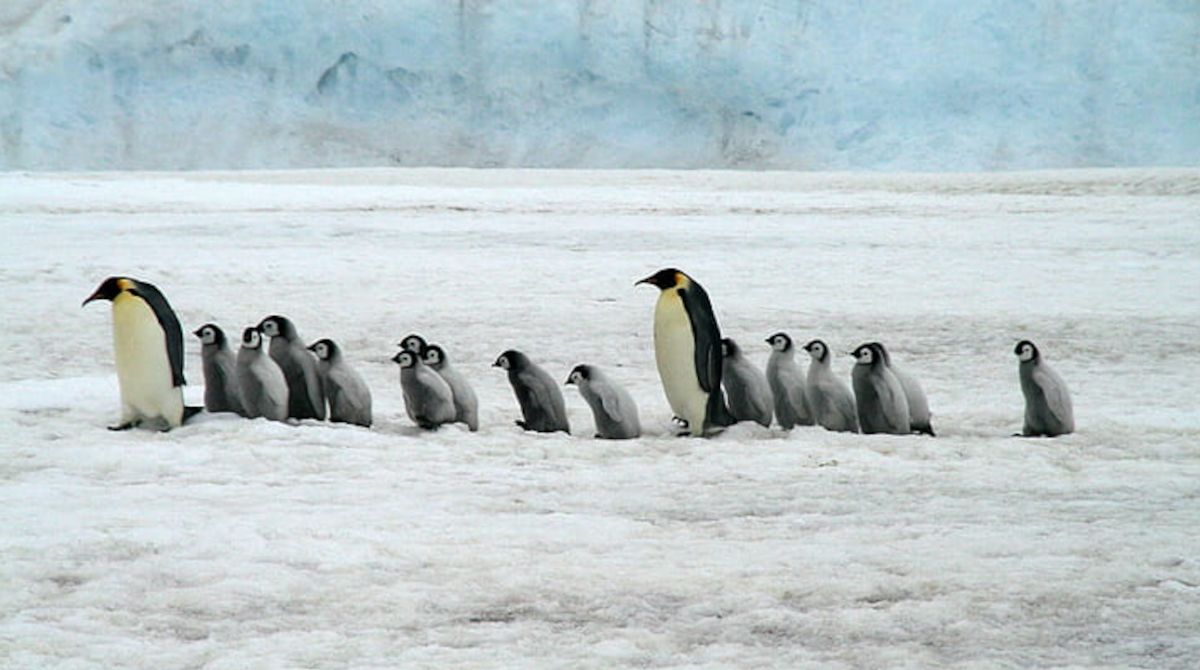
<point x="427" y="397"/>
<point x="263" y="387"/>
<point x="749" y="393"/>
<point x="615" y="412"/>
<point x="348" y="395"/>
<point x="787" y="383"/>
<point x="829" y="398"/>
<point x="1048" y="410"/>
<point x="882" y="407"/>
<point x="918" y="404"/>
<point x="414" y="343"/>
<point x="687" y="349"/>
<point x="543" y="409"/>
<point x="306" y="400"/>
<point x="466" y="405"/>
<point x="148" y="347"/>
<point x="221" y="393"/>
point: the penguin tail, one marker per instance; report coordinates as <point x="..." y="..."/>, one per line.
<point x="718" y="412"/>
<point x="190" y="411"/>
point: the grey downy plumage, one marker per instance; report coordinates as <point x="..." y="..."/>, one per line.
<point x="221" y="392"/>
<point x="882" y="406"/>
<point x="466" y="405"/>
<point x="348" y="395"/>
<point x="613" y="409"/>
<point x="918" y="405"/>
<point x="263" y="388"/>
<point x="543" y="409"/>
<point x="788" y="384"/>
<point x="306" y="400"/>
<point x="1048" y="408"/>
<point x="427" y="397"/>
<point x="746" y="387"/>
<point x="830" y="398"/>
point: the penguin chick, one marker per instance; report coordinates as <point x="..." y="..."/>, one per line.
<point x="918" y="404"/>
<point x="261" y="384"/>
<point x="882" y="407"/>
<point x="829" y="398"/>
<point x="615" y="412"/>
<point x="466" y="405"/>
<point x="148" y="347"/>
<point x="746" y="386"/>
<point x="787" y="382"/>
<point x="427" y="397"/>
<point x="414" y="343"/>
<point x="221" y="393"/>
<point x="1048" y="410"/>
<point x="347" y="393"/>
<point x="306" y="399"/>
<point x="542" y="406"/>
<point x="687" y="351"/>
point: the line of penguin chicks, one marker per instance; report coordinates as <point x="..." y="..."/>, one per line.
<point x="296" y="381"/>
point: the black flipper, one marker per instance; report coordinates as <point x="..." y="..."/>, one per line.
<point x="709" y="361"/>
<point x="170" y="326"/>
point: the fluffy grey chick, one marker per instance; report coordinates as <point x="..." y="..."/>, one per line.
<point x="615" y="412"/>
<point x="347" y="393"/>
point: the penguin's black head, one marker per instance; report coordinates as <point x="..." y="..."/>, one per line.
<point x="729" y="347"/>
<point x="413" y="342"/>
<point x="210" y="333"/>
<point x="251" y="338"/>
<point x="110" y="288"/>
<point x="580" y="374"/>
<point x="433" y="354"/>
<point x="325" y="349"/>
<point x="406" y="359"/>
<point x="510" y="360"/>
<point x="278" y="326"/>
<point x="780" y="342"/>
<point x="1027" y="351"/>
<point x="664" y="279"/>
<point x="866" y="354"/>
<point x="881" y="351"/>
<point x="817" y="349"/>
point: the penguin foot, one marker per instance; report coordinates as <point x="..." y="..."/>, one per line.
<point x="191" y="411"/>
<point x="522" y="425"/>
<point x="125" y="426"/>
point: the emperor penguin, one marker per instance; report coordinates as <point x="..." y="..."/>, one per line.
<point x="221" y="393"/>
<point x="414" y="343"/>
<point x="466" y="405"/>
<point x="543" y="409"/>
<point x="262" y="385"/>
<point x="749" y="393"/>
<point x="348" y="395"/>
<point x="306" y="399"/>
<point x="1048" y="410"/>
<point x="148" y="347"/>
<point x="615" y="412"/>
<point x="787" y="383"/>
<point x="427" y="397"/>
<point x="882" y="407"/>
<point x="829" y="398"/>
<point x="687" y="349"/>
<point x="918" y="404"/>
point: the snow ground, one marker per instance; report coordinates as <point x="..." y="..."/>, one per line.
<point x="233" y="544"/>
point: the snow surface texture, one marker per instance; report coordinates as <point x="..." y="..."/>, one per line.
<point x="231" y="543"/>
<point x="820" y="84"/>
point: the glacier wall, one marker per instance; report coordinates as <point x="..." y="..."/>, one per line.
<point x="801" y="84"/>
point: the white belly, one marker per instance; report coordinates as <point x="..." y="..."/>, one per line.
<point x="143" y="368"/>
<point x="674" y="351"/>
